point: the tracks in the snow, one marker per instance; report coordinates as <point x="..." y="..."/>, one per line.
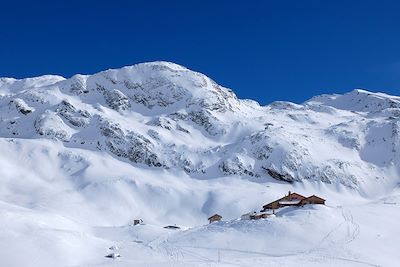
<point x="353" y="228"/>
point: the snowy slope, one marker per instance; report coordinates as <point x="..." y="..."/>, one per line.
<point x="82" y="157"/>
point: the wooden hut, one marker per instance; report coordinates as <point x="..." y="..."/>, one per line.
<point x="215" y="218"/>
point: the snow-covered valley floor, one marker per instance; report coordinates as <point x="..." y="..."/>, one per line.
<point x="347" y="235"/>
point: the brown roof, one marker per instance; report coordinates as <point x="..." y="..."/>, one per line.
<point x="294" y="193"/>
<point x="315" y="197"/>
<point x="215" y="216"/>
<point x="285" y="197"/>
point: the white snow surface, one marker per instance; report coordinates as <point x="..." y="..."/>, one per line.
<point x="81" y="158"/>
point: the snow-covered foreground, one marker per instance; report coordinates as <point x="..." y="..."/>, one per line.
<point x="81" y="158"/>
<point x="58" y="220"/>
<point x="359" y="235"/>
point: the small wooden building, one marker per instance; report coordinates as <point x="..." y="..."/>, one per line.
<point x="215" y="218"/>
<point x="312" y="200"/>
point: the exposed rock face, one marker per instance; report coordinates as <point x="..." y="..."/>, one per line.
<point x="280" y="176"/>
<point x="236" y="166"/>
<point x="130" y="145"/>
<point x="21" y="106"/>
<point x="52" y="126"/>
<point x="116" y="100"/>
<point x="77" y="118"/>
<point x="162" y="115"/>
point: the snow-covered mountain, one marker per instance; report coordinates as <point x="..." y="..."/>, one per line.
<point x="162" y="115"/>
<point x="161" y="142"/>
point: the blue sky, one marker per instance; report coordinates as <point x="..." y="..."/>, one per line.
<point x="263" y="50"/>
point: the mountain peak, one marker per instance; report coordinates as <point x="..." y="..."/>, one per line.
<point x="161" y="63"/>
<point x="152" y="66"/>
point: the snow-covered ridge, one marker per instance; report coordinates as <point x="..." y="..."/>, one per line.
<point x="358" y="100"/>
<point x="163" y="115"/>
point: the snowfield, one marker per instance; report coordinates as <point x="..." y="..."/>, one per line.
<point x="81" y="158"/>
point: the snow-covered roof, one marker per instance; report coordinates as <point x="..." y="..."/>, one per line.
<point x="289" y="202"/>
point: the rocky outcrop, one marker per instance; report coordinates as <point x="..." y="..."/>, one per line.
<point x="129" y="145"/>
<point x="52" y="126"/>
<point x="75" y="117"/>
<point x="21" y="106"/>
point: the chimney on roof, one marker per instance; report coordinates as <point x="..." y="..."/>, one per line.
<point x="289" y="193"/>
